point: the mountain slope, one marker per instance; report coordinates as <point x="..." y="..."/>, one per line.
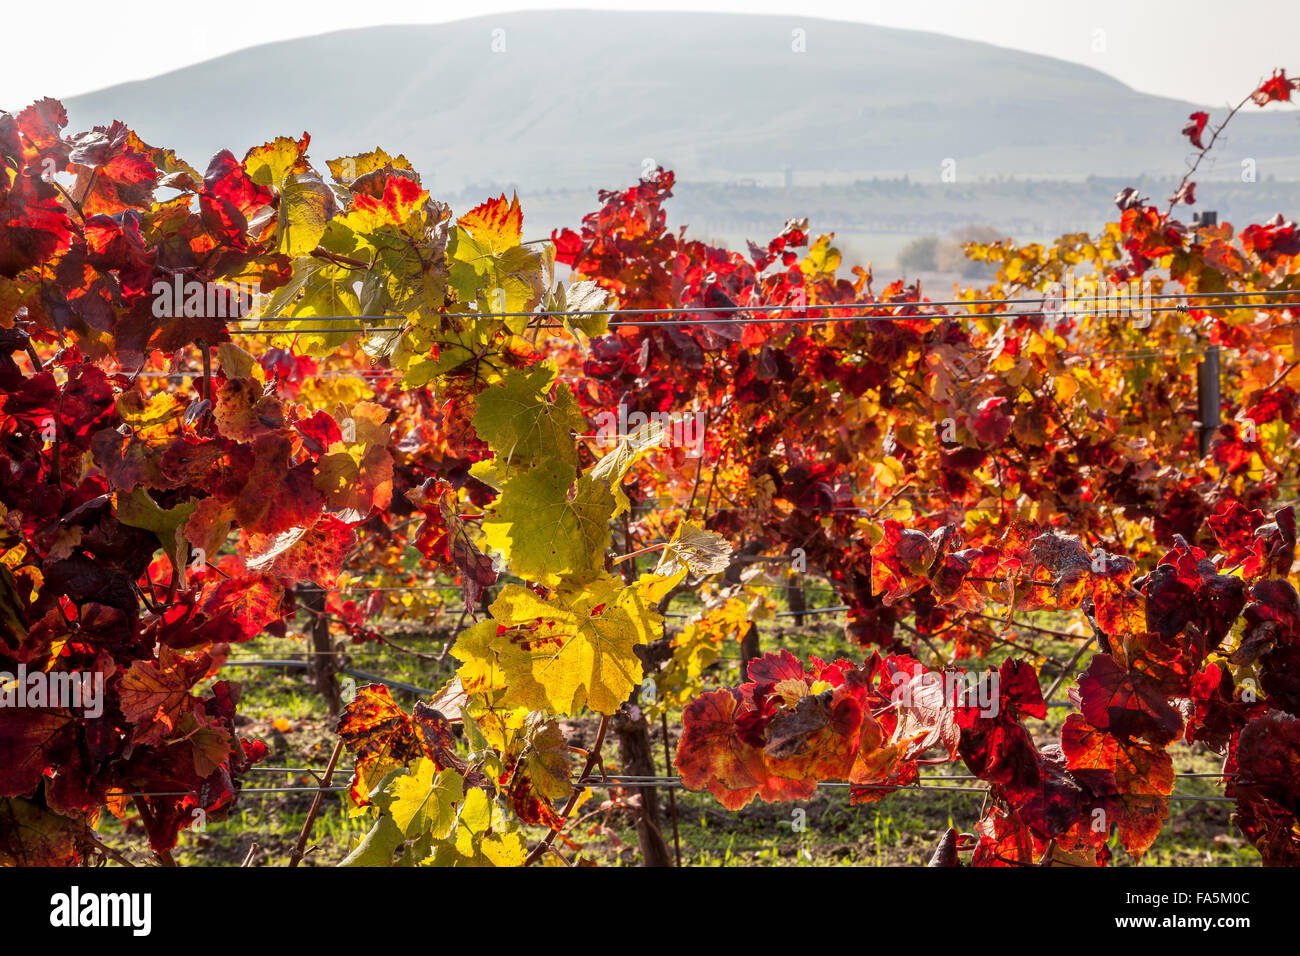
<point x="583" y="98"/>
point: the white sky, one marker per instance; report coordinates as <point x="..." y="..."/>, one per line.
<point x="1207" y="51"/>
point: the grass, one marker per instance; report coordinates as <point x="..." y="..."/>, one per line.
<point x="282" y="707"/>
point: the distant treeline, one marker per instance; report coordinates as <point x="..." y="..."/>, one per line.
<point x="1024" y="208"/>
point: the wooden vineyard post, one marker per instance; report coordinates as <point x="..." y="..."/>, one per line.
<point x="749" y="650"/>
<point x="797" y="598"/>
<point x="323" y="663"/>
<point x="637" y="759"/>
<point x="1207" y="394"/>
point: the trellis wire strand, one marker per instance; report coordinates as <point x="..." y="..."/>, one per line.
<point x="792" y="320"/>
<point x="1120" y="296"/>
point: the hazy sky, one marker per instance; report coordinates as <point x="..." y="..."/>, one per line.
<point x="1207" y="51"/>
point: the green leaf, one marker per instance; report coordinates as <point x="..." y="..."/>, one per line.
<point x="377" y="846"/>
<point x="579" y="301"/>
<point x="509" y="281"/>
<point x="327" y="293"/>
<point x="139" y="510"/>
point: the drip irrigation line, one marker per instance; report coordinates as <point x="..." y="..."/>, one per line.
<point x="395" y="684"/>
<point x="676" y="784"/>
<point x="312" y="770"/>
<point x="413" y="587"/>
<point x="351" y="672"/>
<point x="351" y="651"/>
<point x="812" y="610"/>
<point x="190" y="793"/>
<point x="651" y="779"/>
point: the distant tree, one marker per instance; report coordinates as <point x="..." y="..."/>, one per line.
<point x="950" y="256"/>
<point x="918" y="255"/>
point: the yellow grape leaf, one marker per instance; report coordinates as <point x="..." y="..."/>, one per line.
<point x="348" y="169"/>
<point x="236" y="363"/>
<point x="573" y="649"/>
<point x="498" y="725"/>
<point x="480" y="672"/>
<point x="490" y="471"/>
<point x="488" y="265"/>
<point x="822" y="259"/>
<point x="496" y="225"/>
<point x="481" y="838"/>
<point x="424" y="801"/>
<point x="631" y="448"/>
<point x="522" y="425"/>
<point x="272" y="163"/>
<point x="306" y="207"/>
<point x="1273" y="436"/>
<point x="1066" y="388"/>
<point x="306" y="202"/>
<point x="550" y="528"/>
<point x="696" y="648"/>
<point x="653" y="588"/>
<point x="545" y="758"/>
<point x="695" y="549"/>
<point x="150" y="419"/>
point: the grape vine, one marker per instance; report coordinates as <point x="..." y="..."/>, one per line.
<point x="226" y="391"/>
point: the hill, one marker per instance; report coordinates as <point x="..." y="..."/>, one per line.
<point x="578" y="98"/>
